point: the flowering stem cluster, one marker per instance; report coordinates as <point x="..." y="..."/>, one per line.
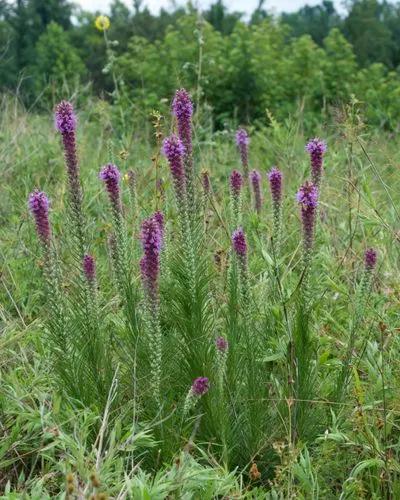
<point x="65" y="121"/>
<point x="316" y="148"/>
<point x="174" y="151"/>
<point x="236" y="184"/>
<point x="152" y="240"/>
<point x="39" y="207"/>
<point x="255" y="178"/>
<point x="110" y="175"/>
<point x="199" y="388"/>
<point x="307" y="197"/>
<point x="275" y="185"/>
<point x="182" y="109"/>
<point x="242" y="142"/>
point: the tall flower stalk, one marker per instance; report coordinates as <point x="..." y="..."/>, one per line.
<point x="307" y="197"/>
<point x="182" y="109"/>
<point x="111" y="176"/>
<point x="152" y="240"/>
<point x="242" y="142"/>
<point x="316" y="148"/>
<point x="255" y="178"/>
<point x="275" y="186"/>
<point x="370" y="260"/>
<point x="206" y="186"/>
<point x="235" y="190"/>
<point x="38" y="204"/>
<point x="132" y="184"/>
<point x="301" y="367"/>
<point x="221" y="346"/>
<point x="199" y="388"/>
<point x="174" y="151"/>
<point x="239" y="246"/>
<point x="66" y="122"/>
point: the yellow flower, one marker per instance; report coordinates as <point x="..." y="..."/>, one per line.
<point x="102" y="23"/>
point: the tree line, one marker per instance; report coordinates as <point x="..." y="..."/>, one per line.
<point x="239" y="67"/>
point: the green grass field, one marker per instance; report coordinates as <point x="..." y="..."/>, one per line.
<point x="277" y="423"/>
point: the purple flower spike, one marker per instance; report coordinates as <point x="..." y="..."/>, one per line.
<point x="205" y="182"/>
<point x="65" y="118"/>
<point x="317" y="148"/>
<point x="370" y="258"/>
<point x="307" y="196"/>
<point x="200" y="386"/>
<point x="65" y="121"/>
<point x="110" y="175"/>
<point x="39" y="208"/>
<point x="182" y="108"/>
<point x="275" y="185"/>
<point x="159" y="218"/>
<point x="174" y="150"/>
<point x="242" y="142"/>
<point x="150" y="263"/>
<point x="255" y="178"/>
<point x="236" y="182"/>
<point x="89" y="268"/>
<point x="239" y="243"/>
<point x="221" y="344"/>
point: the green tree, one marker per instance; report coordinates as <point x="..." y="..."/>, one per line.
<point x="366" y="30"/>
<point x="315" y="21"/>
<point x="58" y="67"/>
<point x="339" y="67"/>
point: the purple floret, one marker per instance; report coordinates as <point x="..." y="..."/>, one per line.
<point x="239" y="243"/>
<point x="39" y="207"/>
<point x="65" y="118"/>
<point x="370" y="258"/>
<point x="200" y="386"/>
<point x="89" y="267"/>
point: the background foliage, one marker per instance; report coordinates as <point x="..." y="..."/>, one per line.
<point x="313" y="58"/>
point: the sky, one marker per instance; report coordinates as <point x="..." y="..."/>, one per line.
<point x="239" y="5"/>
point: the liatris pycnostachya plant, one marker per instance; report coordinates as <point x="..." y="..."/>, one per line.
<point x="38" y="203"/>
<point x="275" y="186"/>
<point x="221" y="346"/>
<point x="370" y="260"/>
<point x="316" y="148"/>
<point x="152" y="239"/>
<point x="199" y="388"/>
<point x="307" y="197"/>
<point x="239" y="246"/>
<point x="110" y="175"/>
<point x="182" y="109"/>
<point x="39" y="208"/>
<point x="235" y="184"/>
<point x="132" y="181"/>
<point x="65" y="121"/>
<point x="89" y="272"/>
<point x="255" y="178"/>
<point x="89" y="268"/>
<point x="242" y="142"/>
<point x="173" y="149"/>
<point x="206" y="185"/>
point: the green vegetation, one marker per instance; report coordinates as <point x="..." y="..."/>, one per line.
<point x="170" y="326"/>
<point x="306" y="439"/>
<point x="312" y="59"/>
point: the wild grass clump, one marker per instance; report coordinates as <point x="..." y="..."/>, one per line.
<point x="205" y="328"/>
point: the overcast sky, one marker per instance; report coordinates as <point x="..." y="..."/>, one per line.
<point x="240" y="5"/>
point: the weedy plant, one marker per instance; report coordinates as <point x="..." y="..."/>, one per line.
<point x="203" y="350"/>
